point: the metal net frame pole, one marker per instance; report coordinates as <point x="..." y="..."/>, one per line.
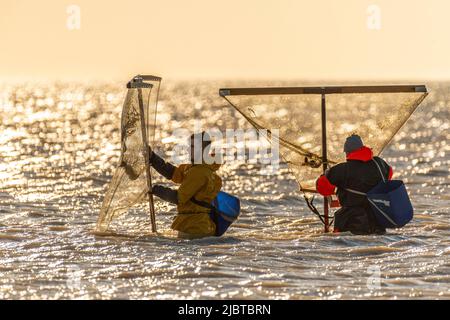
<point x="147" y="161"/>
<point x="324" y="159"/>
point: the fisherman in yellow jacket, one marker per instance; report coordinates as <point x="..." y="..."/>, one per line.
<point x="199" y="183"/>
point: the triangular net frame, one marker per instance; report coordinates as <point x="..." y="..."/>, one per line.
<point x="131" y="179"/>
<point x="313" y="122"/>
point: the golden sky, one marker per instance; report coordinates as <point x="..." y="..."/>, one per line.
<point x="254" y="39"/>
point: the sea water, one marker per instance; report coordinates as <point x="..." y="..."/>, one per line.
<point x="59" y="145"/>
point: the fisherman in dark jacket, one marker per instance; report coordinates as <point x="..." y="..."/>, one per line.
<point x="360" y="173"/>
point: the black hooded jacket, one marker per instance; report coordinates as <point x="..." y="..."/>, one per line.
<point x="359" y="173"/>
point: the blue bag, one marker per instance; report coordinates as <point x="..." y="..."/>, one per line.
<point x="225" y="210"/>
<point x="390" y="202"/>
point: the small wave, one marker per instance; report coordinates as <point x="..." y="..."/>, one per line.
<point x="375" y="250"/>
<point x="58" y="228"/>
<point x="11" y="237"/>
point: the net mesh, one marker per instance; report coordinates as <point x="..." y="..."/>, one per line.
<point x="129" y="185"/>
<point x="376" y="117"/>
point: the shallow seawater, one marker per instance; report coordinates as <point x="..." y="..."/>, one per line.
<point x="59" y="145"/>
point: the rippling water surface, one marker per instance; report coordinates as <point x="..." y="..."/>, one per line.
<point x="59" y="145"/>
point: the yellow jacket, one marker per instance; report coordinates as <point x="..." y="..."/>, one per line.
<point x="201" y="182"/>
